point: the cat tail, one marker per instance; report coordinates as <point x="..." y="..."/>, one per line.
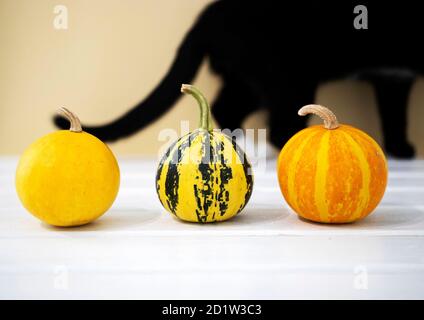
<point x="183" y="69"/>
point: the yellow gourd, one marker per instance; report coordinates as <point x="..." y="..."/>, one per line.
<point x="67" y="178"/>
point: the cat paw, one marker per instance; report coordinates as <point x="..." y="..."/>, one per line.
<point x="401" y="150"/>
<point x="61" y="122"/>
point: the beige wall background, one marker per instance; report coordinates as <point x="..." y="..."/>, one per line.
<point x="111" y="56"/>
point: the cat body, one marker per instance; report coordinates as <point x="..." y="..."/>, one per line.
<point x="275" y="55"/>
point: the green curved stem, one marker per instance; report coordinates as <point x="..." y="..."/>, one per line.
<point x="205" y="110"/>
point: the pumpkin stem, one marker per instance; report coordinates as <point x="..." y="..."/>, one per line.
<point x="205" y="110"/>
<point x="330" y="120"/>
<point x="73" y="119"/>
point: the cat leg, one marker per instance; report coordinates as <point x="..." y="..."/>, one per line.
<point x="284" y="121"/>
<point x="233" y="104"/>
<point x="284" y="125"/>
<point x="392" y="98"/>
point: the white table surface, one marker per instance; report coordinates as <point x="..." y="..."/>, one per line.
<point x="138" y="250"/>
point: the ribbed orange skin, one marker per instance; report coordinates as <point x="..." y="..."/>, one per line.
<point x="332" y="176"/>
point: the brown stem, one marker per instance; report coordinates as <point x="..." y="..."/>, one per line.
<point x="73" y="119"/>
<point x="330" y="120"/>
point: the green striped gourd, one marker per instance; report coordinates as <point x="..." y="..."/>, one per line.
<point x="204" y="176"/>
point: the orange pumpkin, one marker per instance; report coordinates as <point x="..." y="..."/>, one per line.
<point x="332" y="173"/>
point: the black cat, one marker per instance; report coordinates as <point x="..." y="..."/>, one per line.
<point x="274" y="55"/>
